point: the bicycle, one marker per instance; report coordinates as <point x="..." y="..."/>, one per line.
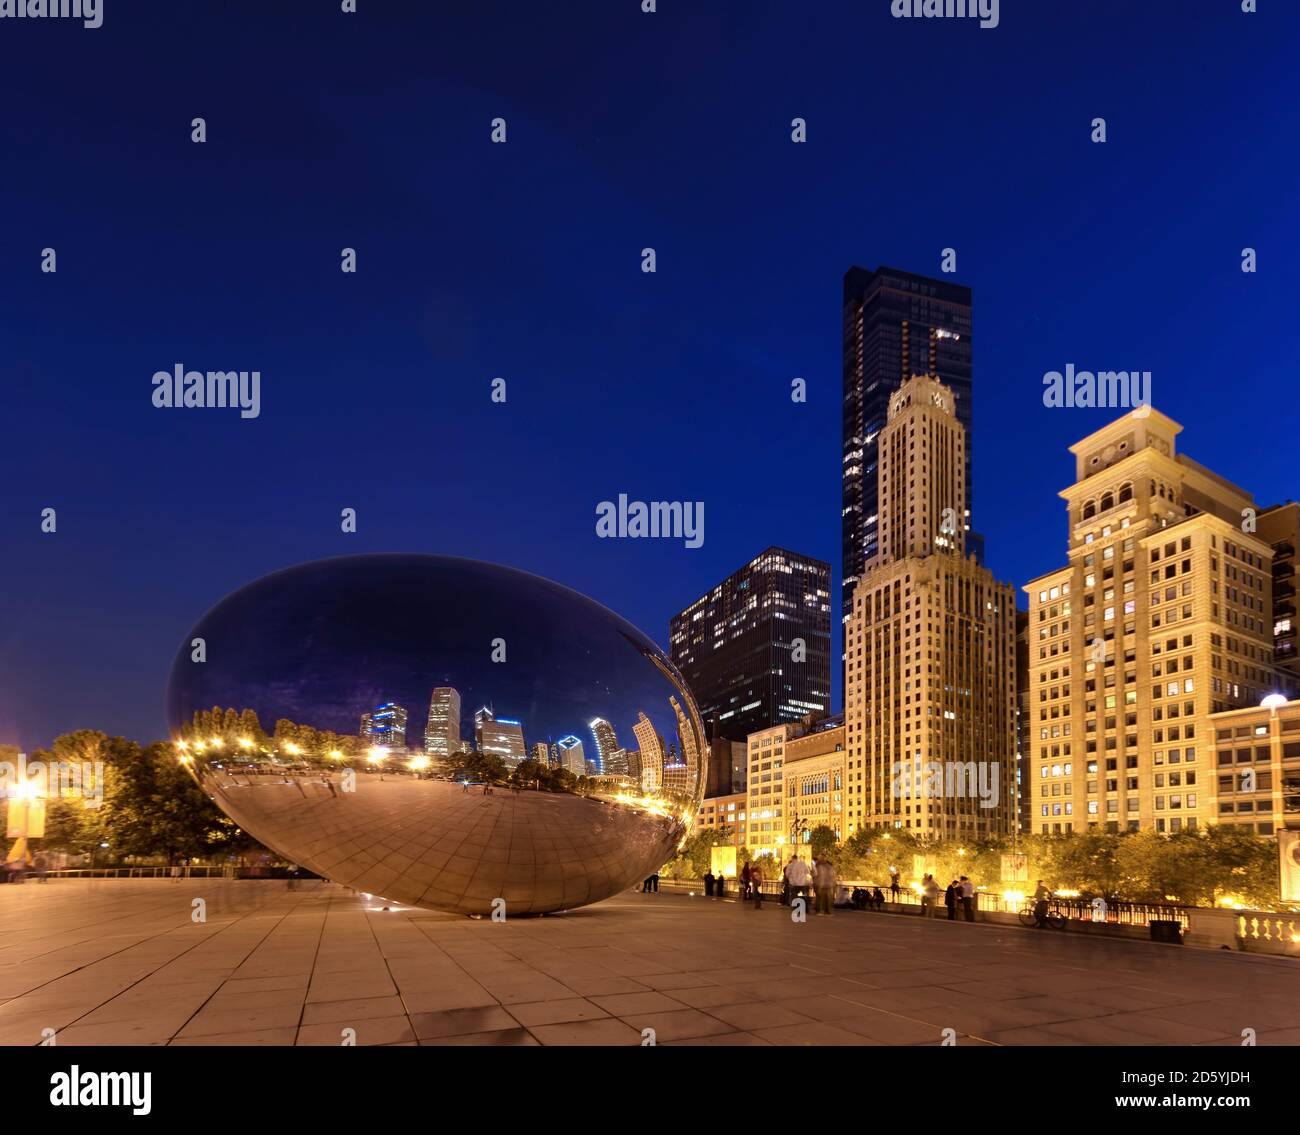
<point x="1053" y="916"/>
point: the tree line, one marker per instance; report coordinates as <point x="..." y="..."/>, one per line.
<point x="1197" y="867"/>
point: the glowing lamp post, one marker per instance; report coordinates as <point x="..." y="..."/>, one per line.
<point x="25" y="820"/>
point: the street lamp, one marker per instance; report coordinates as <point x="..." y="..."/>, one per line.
<point x="26" y="818"/>
<point x="796" y="830"/>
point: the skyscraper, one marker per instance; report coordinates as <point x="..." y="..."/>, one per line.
<point x="384" y="727"/>
<point x="930" y="686"/>
<point x="571" y="755"/>
<point x="1023" y="711"/>
<point x="896" y="324"/>
<point x="442" y="732"/>
<point x="500" y="736"/>
<point x="1162" y="617"/>
<point x="688" y="741"/>
<point x="651" y="753"/>
<point x="755" y="651"/>
<point x="606" y="741"/>
<point x="1280" y="526"/>
<point x="616" y="764"/>
<point x="542" y="754"/>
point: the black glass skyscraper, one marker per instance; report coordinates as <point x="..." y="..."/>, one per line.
<point x="755" y="650"/>
<point x="896" y="324"/>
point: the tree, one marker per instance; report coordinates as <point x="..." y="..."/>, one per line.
<point x="157" y="809"/>
<point x="695" y="856"/>
<point x="485" y="767"/>
<point x="822" y="842"/>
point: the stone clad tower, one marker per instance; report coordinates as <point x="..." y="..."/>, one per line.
<point x="930" y="678"/>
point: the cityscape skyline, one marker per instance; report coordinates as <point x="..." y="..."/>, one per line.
<point x="73" y="654"/>
<point x="632" y="523"/>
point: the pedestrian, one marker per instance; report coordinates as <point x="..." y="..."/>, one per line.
<point x="756" y="883"/>
<point x="708" y="884"/>
<point x="930" y="893"/>
<point x="655" y="880"/>
<point x="744" y="882"/>
<point x="1041" y="895"/>
<point x="798" y="877"/>
<point x="894" y="888"/>
<point x="645" y="885"/>
<point x="824" y="881"/>
<point x="879" y="896"/>
<point x="950" y="900"/>
<point x="720" y="885"/>
<point x="967" y="899"/>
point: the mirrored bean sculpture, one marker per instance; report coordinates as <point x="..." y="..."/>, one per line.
<point x="440" y="732"/>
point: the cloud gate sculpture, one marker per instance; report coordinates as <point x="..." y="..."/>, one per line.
<point x="441" y="732"/>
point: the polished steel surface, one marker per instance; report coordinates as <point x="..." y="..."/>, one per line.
<point x="266" y="712"/>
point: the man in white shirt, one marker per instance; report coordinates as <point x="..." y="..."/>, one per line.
<point x="797" y="876"/>
<point x="968" y="899"/>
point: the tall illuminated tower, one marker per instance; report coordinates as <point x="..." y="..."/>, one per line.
<point x="930" y="677"/>
<point x="442" y="733"/>
<point x="572" y="756"/>
<point x="500" y="736"/>
<point x="606" y="741"/>
<point x="652" y="753"/>
<point x="384" y="727"/>
<point x="755" y="650"/>
<point x="1162" y="617"/>
<point x="895" y="324"/>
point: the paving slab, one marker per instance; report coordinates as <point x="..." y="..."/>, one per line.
<point x="107" y="962"/>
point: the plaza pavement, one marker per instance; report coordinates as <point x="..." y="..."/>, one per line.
<point x="114" y="962"/>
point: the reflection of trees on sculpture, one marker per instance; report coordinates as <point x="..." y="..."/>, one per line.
<point x="479" y="767"/>
<point x="151" y="808"/>
<point x="239" y="732"/>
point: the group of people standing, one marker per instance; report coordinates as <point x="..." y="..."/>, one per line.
<point x="801" y="879"/>
<point x="798" y="879"/>
<point x="959" y="894"/>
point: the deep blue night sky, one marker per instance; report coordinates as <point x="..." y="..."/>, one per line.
<point x="522" y="260"/>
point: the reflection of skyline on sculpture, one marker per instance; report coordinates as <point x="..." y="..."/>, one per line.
<point x="320" y="746"/>
<point x="349" y="661"/>
<point x="237" y="732"/>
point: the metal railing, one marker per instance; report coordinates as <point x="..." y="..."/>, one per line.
<point x="200" y="871"/>
<point x="1074" y="909"/>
